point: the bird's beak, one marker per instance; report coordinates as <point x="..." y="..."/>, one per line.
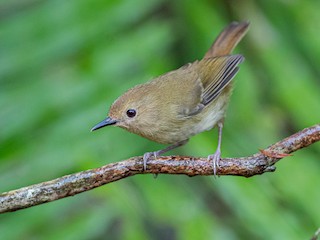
<point x="108" y="121"/>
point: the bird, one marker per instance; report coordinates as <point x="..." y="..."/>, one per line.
<point x="177" y="105"/>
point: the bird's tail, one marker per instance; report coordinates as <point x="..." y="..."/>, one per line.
<point x="227" y="39"/>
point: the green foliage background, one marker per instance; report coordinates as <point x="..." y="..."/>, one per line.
<point x="62" y="63"/>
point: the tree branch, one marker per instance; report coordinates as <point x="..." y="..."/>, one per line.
<point x="70" y="185"/>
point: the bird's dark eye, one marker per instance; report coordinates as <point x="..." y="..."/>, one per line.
<point x="131" y="113"/>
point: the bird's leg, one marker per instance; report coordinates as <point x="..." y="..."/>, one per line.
<point x="216" y="156"/>
<point x="171" y="147"/>
<point x="155" y="154"/>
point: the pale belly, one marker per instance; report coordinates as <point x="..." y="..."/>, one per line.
<point x="214" y="113"/>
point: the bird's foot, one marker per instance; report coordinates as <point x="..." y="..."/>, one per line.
<point x="146" y="157"/>
<point x="215" y="161"/>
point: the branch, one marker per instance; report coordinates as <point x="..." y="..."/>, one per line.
<point x="70" y="185"/>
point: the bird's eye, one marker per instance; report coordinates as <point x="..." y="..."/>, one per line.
<point x="131" y="113"/>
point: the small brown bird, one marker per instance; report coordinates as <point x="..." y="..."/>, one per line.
<point x="179" y="104"/>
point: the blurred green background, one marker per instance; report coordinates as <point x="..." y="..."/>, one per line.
<point x="62" y="63"/>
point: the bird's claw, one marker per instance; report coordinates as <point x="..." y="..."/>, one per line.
<point x="215" y="161"/>
<point x="146" y="157"/>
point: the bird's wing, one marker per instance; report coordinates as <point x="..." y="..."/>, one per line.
<point x="216" y="74"/>
<point x="190" y="88"/>
<point x="213" y="75"/>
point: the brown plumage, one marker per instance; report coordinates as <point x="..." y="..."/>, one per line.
<point x="179" y="104"/>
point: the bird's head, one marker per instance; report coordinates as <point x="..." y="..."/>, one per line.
<point x="132" y="111"/>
